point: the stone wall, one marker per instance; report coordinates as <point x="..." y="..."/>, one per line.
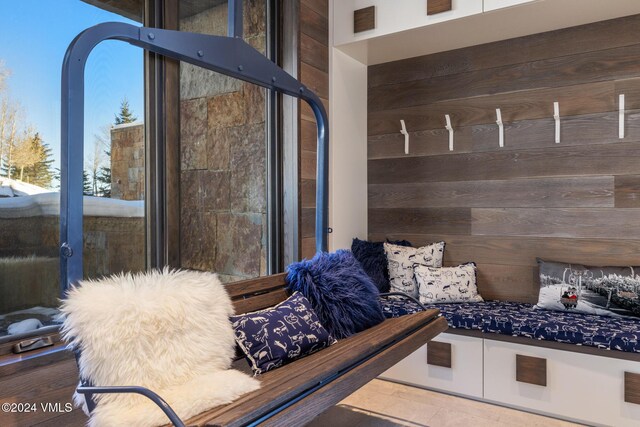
<point x="127" y="161"/>
<point x="223" y="170"/>
<point x="111" y="245"/>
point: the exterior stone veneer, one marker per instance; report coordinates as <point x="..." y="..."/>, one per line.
<point x="111" y="245"/>
<point x="127" y="161"/>
<point x="223" y="170"/>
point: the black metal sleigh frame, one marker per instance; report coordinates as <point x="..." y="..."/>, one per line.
<point x="230" y="56"/>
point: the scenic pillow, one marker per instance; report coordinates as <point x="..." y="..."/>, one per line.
<point x="371" y="257"/>
<point x="607" y="291"/>
<point x="402" y="259"/>
<point x="278" y="335"/>
<point x="447" y="284"/>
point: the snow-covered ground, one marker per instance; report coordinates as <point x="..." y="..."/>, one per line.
<point x="48" y="204"/>
<point x="12" y="188"/>
<point x="550" y="299"/>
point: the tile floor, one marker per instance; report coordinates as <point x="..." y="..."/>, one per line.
<point x="387" y="404"/>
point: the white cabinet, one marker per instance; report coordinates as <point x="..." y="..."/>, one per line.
<point x="490" y="5"/>
<point x="464" y="377"/>
<point x="579" y="386"/>
<point x="393" y="16"/>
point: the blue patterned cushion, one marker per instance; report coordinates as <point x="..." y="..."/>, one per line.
<point x="278" y="335"/>
<point x="523" y="320"/>
<point x="396" y="307"/>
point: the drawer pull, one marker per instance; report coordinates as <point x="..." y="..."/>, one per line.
<point x="632" y="388"/>
<point x="364" y="19"/>
<point x="531" y="370"/>
<point x="438" y="6"/>
<point x="439" y="354"/>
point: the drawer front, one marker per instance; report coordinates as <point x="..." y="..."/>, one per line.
<point x="490" y="5"/>
<point x="578" y="386"/>
<point x="428" y="366"/>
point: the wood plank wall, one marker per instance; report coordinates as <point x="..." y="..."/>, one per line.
<point x="314" y="73"/>
<point x="576" y="201"/>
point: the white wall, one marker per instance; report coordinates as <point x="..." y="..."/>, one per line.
<point x="348" y="149"/>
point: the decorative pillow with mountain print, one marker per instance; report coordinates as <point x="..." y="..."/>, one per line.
<point x="447" y="284"/>
<point x="606" y="291"/>
<point x="401" y="260"/>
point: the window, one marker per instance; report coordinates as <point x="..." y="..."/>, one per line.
<point x="35" y="36"/>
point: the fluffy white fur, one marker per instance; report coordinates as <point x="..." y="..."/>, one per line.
<point x="168" y="331"/>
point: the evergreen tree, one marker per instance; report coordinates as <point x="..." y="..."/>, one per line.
<point x="86" y="184"/>
<point x="40" y="173"/>
<point x="104" y="178"/>
<point x="125" y="115"/>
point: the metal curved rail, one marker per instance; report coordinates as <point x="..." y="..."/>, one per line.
<point x="226" y="55"/>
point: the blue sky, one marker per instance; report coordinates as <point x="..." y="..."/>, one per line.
<point x="34" y="35"/>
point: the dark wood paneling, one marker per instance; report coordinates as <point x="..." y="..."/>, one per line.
<point x="613" y="64"/>
<point x="315" y="53"/>
<point x="517" y="105"/>
<point x="577" y="201"/>
<point x="308" y="193"/>
<point x="595" y="191"/>
<point x="508" y="282"/>
<point x="570" y="41"/>
<point x="557" y="160"/>
<point x="531" y="370"/>
<point x="604" y="223"/>
<point x="308" y="223"/>
<point x="314" y="24"/>
<point x="589" y="129"/>
<point x="315" y="79"/>
<point x="308" y="135"/>
<point x="522" y="251"/>
<point x="314" y="66"/>
<point x="438" y="6"/>
<point x="364" y="19"/>
<point x="427" y="220"/>
<point x="421" y="143"/>
<point x="319" y="6"/>
<point x="439" y="354"/>
<point x="307" y="164"/>
<point x="627" y="191"/>
<point x="632" y="387"/>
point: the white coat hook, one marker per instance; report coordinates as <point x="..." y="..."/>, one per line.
<point x="406" y="137"/>
<point x="621" y="116"/>
<point x="450" y="129"/>
<point x="556" y="117"/>
<point x="500" y="126"/>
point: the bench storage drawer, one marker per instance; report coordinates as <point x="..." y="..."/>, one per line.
<point x="581" y="387"/>
<point x="428" y="366"/>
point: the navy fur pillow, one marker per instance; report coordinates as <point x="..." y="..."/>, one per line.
<point x="342" y="295"/>
<point x="278" y="335"/>
<point x="374" y="261"/>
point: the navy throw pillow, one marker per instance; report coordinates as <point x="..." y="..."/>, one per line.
<point x="342" y="295"/>
<point x="273" y="337"/>
<point x="374" y="261"/>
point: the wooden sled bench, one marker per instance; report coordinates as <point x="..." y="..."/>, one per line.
<point x="297" y="392"/>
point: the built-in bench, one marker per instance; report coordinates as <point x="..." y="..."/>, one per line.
<point x="574" y="366"/>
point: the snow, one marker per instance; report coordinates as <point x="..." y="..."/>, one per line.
<point x="48" y="204"/>
<point x="20" y="188"/>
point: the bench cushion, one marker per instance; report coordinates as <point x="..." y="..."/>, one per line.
<point x="523" y="320"/>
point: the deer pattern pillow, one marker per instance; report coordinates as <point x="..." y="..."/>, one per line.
<point x="400" y="262"/>
<point x="281" y="334"/>
<point x="447" y="284"/>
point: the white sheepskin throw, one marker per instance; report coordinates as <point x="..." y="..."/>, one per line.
<point x="165" y="330"/>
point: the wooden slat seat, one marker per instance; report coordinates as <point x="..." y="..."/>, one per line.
<point x="329" y="375"/>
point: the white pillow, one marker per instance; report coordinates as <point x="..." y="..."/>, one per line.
<point x="447" y="284"/>
<point x="400" y="262"/>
